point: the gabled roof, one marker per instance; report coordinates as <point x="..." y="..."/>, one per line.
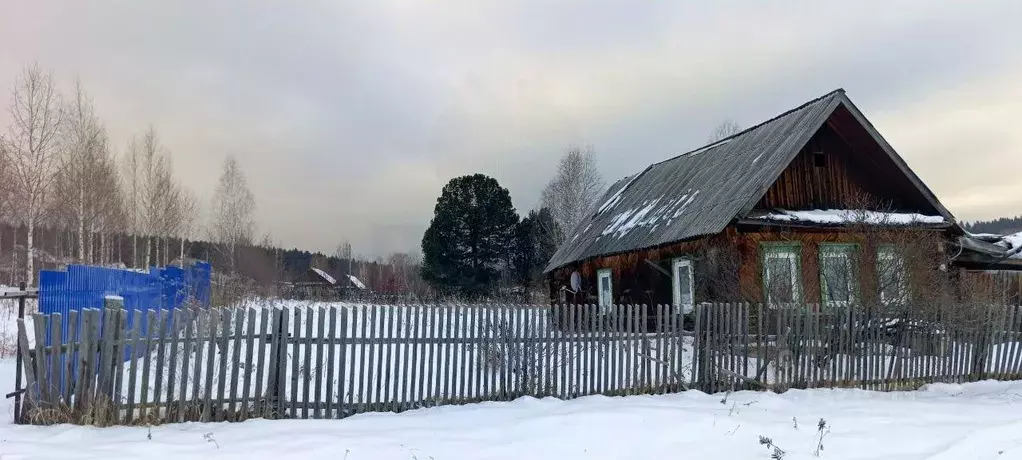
<point x="700" y="192"/>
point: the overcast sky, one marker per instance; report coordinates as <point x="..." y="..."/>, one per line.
<point x="348" y="117"/>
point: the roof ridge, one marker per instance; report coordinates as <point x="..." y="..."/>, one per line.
<point x="756" y="126"/>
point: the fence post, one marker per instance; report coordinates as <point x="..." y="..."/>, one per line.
<point x="273" y="381"/>
<point x="18" y="361"/>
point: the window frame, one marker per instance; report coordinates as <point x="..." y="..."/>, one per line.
<point x="890" y="252"/>
<point x="676" y="285"/>
<point x="791" y="250"/>
<point x="609" y="275"/>
<point x="849" y="251"/>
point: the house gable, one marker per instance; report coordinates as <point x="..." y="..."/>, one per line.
<point x="833" y="171"/>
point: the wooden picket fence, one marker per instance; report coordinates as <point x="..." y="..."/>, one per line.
<point x="329" y="362"/>
<point x="745" y="346"/>
<point x="335" y="361"/>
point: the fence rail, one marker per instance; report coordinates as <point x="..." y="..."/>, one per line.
<point x="335" y="361"/>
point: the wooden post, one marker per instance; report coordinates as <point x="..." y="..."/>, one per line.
<point x="19" y="360"/>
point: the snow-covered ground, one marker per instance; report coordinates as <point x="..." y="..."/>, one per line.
<point x="954" y="422"/>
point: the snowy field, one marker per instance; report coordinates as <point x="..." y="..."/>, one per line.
<point x="953" y="422"/>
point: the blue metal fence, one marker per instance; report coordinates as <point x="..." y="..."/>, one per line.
<point x="83" y="286"/>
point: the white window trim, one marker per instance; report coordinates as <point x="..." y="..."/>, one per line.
<point x="601" y="274"/>
<point x="796" y="286"/>
<point x="824" y="287"/>
<point x="682" y="262"/>
<point x="889" y="255"/>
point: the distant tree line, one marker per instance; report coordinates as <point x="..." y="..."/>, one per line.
<point x="1000" y="226"/>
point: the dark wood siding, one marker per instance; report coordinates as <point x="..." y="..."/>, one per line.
<point x="726" y="266"/>
<point x="828" y="173"/>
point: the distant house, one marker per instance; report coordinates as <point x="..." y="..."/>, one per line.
<point x="812" y="206"/>
<point x="317" y="284"/>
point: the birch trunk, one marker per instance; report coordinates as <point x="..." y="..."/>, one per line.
<point x="30" y="252"/>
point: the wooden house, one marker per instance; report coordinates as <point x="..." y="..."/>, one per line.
<point x="812" y="206"/>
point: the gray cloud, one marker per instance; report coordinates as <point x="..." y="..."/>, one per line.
<point x="349" y="117"/>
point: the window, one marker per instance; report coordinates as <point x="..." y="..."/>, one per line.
<point x="819" y="159"/>
<point x="606" y="291"/>
<point x="683" y="286"/>
<point x="837" y="273"/>
<point x="891" y="276"/>
<point x="781" y="272"/>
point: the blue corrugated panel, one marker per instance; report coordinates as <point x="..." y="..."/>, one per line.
<point x="82" y="287"/>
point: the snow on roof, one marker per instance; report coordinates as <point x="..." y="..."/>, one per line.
<point x="1013" y="243"/>
<point x="616" y="196"/>
<point x="356" y="282"/>
<point x="844" y="216"/>
<point x="649" y="214"/>
<point x="324" y="275"/>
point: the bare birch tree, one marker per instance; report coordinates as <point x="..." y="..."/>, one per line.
<point x="231" y="213"/>
<point x="343" y="252"/>
<point x="724" y="129"/>
<point x="189" y="218"/>
<point x="34" y="146"/>
<point x="573" y="191"/>
<point x="81" y="170"/>
<point x="107" y="204"/>
<point x="132" y="167"/>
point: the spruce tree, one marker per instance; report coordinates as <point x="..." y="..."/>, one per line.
<point x="534" y="245"/>
<point x="468" y="242"/>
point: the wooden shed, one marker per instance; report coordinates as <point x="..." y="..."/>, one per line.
<point x="812" y="206"/>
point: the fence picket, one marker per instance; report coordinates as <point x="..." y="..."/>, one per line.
<point x="296" y="359"/>
<point x="266" y="403"/>
<point x="314" y="371"/>
<point x="56" y="376"/>
<point x="602" y="345"/>
<point x="211" y="323"/>
<point x="234" y="383"/>
<point x="199" y="344"/>
<point x="146" y="356"/>
<point x="85" y="354"/>
<point x="364" y="356"/>
<point x="340" y="344"/>
<point x="280" y="390"/>
<point x="447" y="325"/>
<point x="39" y="322"/>
<point x="120" y="343"/>
<point x="173" y="350"/>
<point x="331" y="355"/>
<point x="372" y="373"/>
<point x="224" y="344"/>
<point x="162" y="318"/>
<point x="186" y="351"/>
<point x="70" y="359"/>
<point x="479" y="363"/>
<point x="250" y="342"/>
<point x="349" y="331"/>
<point x="258" y="399"/>
<point x="1002" y="342"/>
<point x="390" y="368"/>
<point x="1016" y="325"/>
<point x="31" y="389"/>
<point x="387" y="358"/>
<point x="461" y="354"/>
<point x="306" y="370"/>
<point x="402" y="394"/>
